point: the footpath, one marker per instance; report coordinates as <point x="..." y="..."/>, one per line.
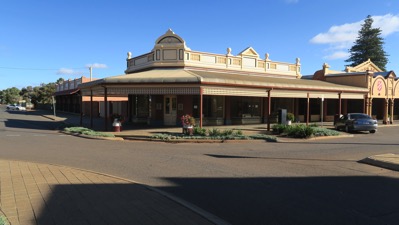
<point x="42" y="194"/>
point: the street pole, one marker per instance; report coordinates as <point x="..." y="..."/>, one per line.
<point x="53" y="105"/>
<point x="91" y="72"/>
<point x="322" y="107"/>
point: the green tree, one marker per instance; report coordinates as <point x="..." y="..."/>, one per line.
<point x="60" y="80"/>
<point x="368" y="45"/>
<point x="43" y="94"/>
<point x="27" y="93"/>
<point x="11" y="95"/>
<point x="1" y="97"/>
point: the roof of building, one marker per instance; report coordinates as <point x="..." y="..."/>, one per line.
<point x="225" y="78"/>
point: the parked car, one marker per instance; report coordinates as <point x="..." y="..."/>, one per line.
<point x="356" y="122"/>
<point x="15" y="107"/>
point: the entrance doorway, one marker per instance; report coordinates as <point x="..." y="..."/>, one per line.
<point x="170" y="110"/>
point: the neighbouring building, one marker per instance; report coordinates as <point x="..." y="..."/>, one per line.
<point x="382" y="88"/>
<point x="69" y="99"/>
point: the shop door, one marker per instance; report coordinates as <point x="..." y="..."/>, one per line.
<point x="170" y="110"/>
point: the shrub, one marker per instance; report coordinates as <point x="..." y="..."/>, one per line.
<point x="199" y="131"/>
<point x="214" y="132"/>
<point x="76" y="129"/>
<point x="227" y="132"/>
<point x="299" y="131"/>
<point x="238" y="132"/>
<point x="263" y="137"/>
<point x="290" y="116"/>
<point x="87" y="131"/>
<point x="319" y="131"/>
<point x="279" y="128"/>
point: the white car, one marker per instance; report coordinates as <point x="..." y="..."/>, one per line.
<point x="16" y="107"/>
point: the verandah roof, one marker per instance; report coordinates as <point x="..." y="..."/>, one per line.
<point x="222" y="83"/>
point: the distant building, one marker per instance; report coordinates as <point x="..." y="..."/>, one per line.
<point x="69" y="99"/>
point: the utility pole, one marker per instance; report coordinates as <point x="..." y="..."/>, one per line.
<point x="91" y="72"/>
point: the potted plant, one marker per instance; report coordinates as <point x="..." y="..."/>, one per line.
<point x="290" y="118"/>
<point x="117" y="122"/>
<point x="188" y="123"/>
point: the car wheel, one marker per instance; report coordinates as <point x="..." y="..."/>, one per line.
<point x="372" y="131"/>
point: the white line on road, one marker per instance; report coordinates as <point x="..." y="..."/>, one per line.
<point x="13" y="135"/>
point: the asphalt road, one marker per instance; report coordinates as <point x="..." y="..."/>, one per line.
<point x="301" y="182"/>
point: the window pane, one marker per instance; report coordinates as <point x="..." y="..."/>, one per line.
<point x="174" y="104"/>
<point x="167" y="105"/>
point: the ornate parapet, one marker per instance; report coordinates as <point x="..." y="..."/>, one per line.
<point x="70" y="84"/>
<point x="170" y="50"/>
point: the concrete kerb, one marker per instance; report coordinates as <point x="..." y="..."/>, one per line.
<point x="387" y="161"/>
<point x="93" y="137"/>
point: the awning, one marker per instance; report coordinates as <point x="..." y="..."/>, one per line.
<point x="67" y="92"/>
<point x="181" y="81"/>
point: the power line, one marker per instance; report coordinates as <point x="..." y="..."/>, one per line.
<point x="19" y="68"/>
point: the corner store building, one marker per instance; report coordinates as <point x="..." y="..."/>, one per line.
<point x="172" y="80"/>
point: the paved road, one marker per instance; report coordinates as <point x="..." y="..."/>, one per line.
<point x="302" y="182"/>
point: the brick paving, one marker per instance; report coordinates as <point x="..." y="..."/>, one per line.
<point x="41" y="194"/>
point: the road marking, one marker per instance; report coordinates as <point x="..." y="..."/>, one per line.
<point x="39" y="135"/>
<point x="13" y="135"/>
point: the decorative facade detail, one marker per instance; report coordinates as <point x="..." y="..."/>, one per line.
<point x="170" y="50"/>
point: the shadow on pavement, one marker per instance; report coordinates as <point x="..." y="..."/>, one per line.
<point x="302" y="200"/>
<point x="122" y="204"/>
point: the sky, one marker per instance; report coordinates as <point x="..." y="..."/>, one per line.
<point x="44" y="40"/>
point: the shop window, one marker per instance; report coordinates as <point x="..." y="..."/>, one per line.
<point x="213" y="106"/>
<point x="245" y="107"/>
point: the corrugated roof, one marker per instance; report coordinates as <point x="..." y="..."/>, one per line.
<point x="180" y="75"/>
<point x="150" y="76"/>
<point x="273" y="82"/>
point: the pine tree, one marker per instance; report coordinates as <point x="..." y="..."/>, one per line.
<point x="368" y="45"/>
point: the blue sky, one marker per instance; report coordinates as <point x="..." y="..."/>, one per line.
<point x="43" y="40"/>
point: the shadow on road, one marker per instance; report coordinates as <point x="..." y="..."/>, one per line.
<point x="101" y="204"/>
<point x="302" y="200"/>
<point x="277" y="158"/>
<point x="33" y="124"/>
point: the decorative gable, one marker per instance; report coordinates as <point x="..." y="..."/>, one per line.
<point x="170" y="40"/>
<point x="249" y="52"/>
<point x="363" y="67"/>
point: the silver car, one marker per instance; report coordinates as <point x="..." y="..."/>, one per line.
<point x="16" y="107"/>
<point x="356" y="122"/>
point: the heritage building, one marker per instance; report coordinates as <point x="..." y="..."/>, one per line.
<point x="69" y="99"/>
<point x="382" y="88"/>
<point x="172" y="80"/>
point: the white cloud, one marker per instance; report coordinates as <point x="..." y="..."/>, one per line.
<point x="97" y="65"/>
<point x="341" y="37"/>
<point x="388" y="24"/>
<point x="338" y="34"/>
<point x="337" y="55"/>
<point x="291" y="1"/>
<point x="66" y="71"/>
